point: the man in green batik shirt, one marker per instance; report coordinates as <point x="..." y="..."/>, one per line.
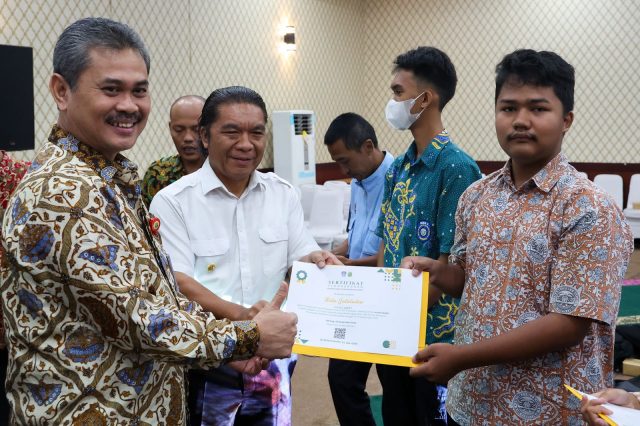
<point x="418" y="214"/>
<point x="183" y="125"/>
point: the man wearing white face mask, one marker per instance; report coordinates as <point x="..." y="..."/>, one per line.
<point x="418" y="210"/>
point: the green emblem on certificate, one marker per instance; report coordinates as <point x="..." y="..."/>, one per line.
<point x="301" y="276"/>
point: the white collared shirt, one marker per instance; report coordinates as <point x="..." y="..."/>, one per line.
<point x="237" y="247"/>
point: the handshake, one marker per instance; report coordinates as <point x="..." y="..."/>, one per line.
<point x="278" y="329"/>
<point x="277" y="333"/>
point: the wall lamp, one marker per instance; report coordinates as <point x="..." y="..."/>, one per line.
<point x="290" y="38"/>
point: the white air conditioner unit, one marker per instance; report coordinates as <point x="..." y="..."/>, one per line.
<point x="294" y="146"/>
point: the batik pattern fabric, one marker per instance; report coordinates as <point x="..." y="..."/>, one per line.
<point x="161" y="173"/>
<point x="96" y="330"/>
<point x="418" y="214"/>
<point x="11" y="172"/>
<point x="557" y="245"/>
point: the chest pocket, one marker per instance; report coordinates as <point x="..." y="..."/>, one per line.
<point x="209" y="254"/>
<point x="275" y="248"/>
<point x="371" y="240"/>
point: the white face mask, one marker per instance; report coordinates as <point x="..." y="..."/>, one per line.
<point x="399" y="113"/>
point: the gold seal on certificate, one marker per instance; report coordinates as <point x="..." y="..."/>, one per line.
<point x="359" y="313"/>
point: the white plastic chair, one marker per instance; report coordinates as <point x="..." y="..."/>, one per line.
<point x="632" y="213"/>
<point x="307" y="191"/>
<point x="326" y="218"/>
<point x="346" y="192"/>
<point x="612" y="185"/>
<point x="336" y="183"/>
<point x="634" y="193"/>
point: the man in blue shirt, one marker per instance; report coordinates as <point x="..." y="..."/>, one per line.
<point x="418" y="214"/>
<point x="352" y="143"/>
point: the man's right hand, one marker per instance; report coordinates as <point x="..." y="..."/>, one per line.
<point x="277" y="329"/>
<point x="419" y="264"/>
<point x="592" y="408"/>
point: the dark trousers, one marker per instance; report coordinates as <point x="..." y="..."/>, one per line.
<point x="408" y="401"/>
<point x="347" y="381"/>
<point x="195" y="396"/>
<point x="451" y="422"/>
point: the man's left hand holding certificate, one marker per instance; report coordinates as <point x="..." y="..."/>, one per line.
<point x="371" y="314"/>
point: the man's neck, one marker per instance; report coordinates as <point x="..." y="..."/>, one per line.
<point x="191" y="166"/>
<point x="76" y="133"/>
<point x="425" y="129"/>
<point x="235" y="187"/>
<point x="378" y="158"/>
<point x="520" y="173"/>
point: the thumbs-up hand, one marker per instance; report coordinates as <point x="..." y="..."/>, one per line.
<point x="277" y="329"/>
<point x="280" y="296"/>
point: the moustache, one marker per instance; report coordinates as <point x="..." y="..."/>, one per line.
<point x="124" y="117"/>
<point x="521" y="135"/>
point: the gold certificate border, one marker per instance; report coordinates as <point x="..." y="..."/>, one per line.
<point x="402" y="361"/>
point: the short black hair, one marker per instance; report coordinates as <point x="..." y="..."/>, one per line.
<point x="432" y="66"/>
<point x="546" y="69"/>
<point x="71" y="53"/>
<point x="352" y="129"/>
<point x="225" y="96"/>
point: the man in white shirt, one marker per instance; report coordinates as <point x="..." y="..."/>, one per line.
<point x="232" y="233"/>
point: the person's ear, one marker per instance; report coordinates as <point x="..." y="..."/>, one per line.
<point x="425" y="100"/>
<point x="367" y="147"/>
<point x="204" y="138"/>
<point x="431" y="98"/>
<point x="60" y="90"/>
<point x="567" y="122"/>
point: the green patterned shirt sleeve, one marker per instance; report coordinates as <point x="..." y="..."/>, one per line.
<point x="161" y="173"/>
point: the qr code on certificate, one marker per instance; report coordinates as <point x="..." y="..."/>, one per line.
<point x="339" y="333"/>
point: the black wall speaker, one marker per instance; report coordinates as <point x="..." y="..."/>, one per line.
<point x="16" y="102"/>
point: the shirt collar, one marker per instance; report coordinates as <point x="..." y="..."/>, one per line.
<point x="210" y="181"/>
<point x="120" y="171"/>
<point x="431" y="152"/>
<point x="372" y="180"/>
<point x="545" y="179"/>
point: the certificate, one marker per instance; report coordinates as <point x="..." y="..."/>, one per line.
<point x="359" y="313"/>
<point x="620" y="416"/>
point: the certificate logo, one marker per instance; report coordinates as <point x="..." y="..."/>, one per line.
<point x="389" y="344"/>
<point x="392" y="276"/>
<point x="299" y="339"/>
<point x="346" y="274"/>
<point x="301" y="276"/>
